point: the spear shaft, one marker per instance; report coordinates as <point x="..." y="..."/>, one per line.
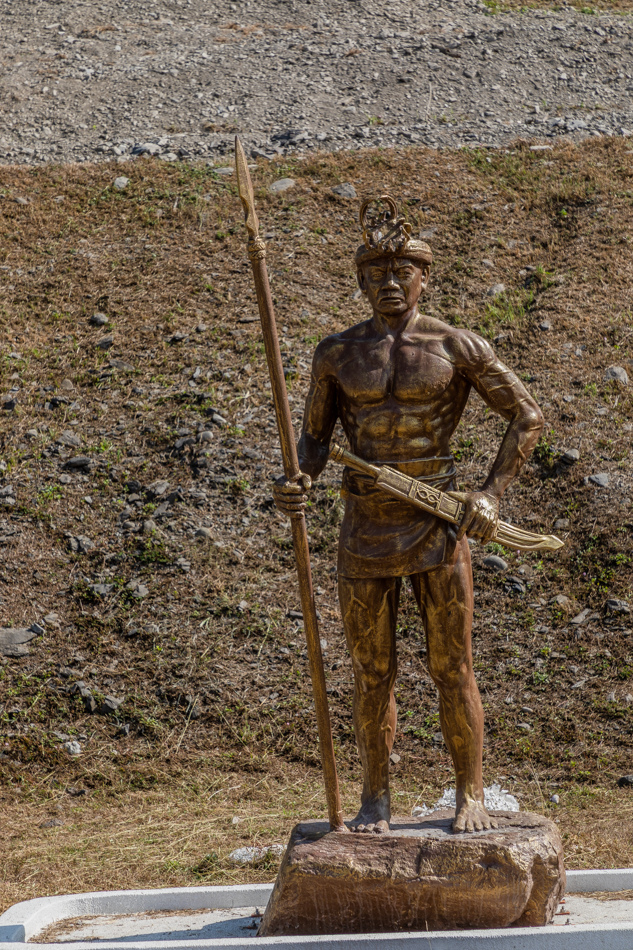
<point x="257" y="255"/>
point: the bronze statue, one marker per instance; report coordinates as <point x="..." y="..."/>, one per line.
<point x="399" y="383"/>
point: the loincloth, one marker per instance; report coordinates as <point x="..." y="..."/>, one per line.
<point x="383" y="536"/>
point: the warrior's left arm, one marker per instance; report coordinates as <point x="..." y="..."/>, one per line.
<point x="504" y="393"/>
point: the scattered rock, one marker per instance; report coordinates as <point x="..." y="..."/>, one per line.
<point x="601" y="479"/>
<point x="255" y="856"/>
<point x="561" y="524"/>
<point x="617" y="373"/>
<point x="72" y="747"/>
<point x="617" y="608"/>
<point x="555" y="799"/>
<point x="582" y="617"/>
<point x="13" y="641"/>
<point x="495" y="563"/>
<point x="121" y="183"/>
<point x="496" y="290"/>
<point x="545" y="325"/>
<point x="570" y="457"/>
<point x="80" y="544"/>
<point x="105" y="343"/>
<point x="282" y="184"/>
<point x="394" y="758"/>
<point x="52" y="822"/>
<point x="121" y="366"/>
<point x="79" y="463"/>
<point x="346" y="190"/>
<point x="561" y="600"/>
<point x="109" y="706"/>
<point x="99" y="320"/>
<point x="513" y="585"/>
<point x="204" y="534"/>
<point x="626" y="781"/>
<point x="101" y="590"/>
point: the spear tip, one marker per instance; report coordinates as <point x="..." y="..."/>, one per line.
<point x="245" y="189"/>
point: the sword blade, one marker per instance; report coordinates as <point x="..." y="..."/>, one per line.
<point x="440" y="503"/>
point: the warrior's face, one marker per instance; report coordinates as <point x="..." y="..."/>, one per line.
<point x="393" y="285"/>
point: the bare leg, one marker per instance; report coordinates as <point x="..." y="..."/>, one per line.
<point x="369" y="608"/>
<point x="445" y="598"/>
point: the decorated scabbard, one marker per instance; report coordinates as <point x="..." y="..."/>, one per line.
<point x="440" y="503"/>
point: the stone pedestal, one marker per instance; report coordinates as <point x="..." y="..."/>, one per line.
<point x="420" y="876"/>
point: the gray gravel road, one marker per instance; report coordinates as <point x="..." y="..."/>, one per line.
<point x="85" y="80"/>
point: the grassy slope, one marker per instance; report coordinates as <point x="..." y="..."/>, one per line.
<point x="217" y="718"/>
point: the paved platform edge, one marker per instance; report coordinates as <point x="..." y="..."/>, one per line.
<point x="20" y="923"/>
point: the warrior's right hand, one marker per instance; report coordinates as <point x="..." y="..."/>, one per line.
<point x="290" y="494"/>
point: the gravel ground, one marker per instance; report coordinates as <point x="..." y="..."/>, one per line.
<point x="177" y="78"/>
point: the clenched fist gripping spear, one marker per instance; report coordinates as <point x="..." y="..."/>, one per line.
<point x="398" y="383"/>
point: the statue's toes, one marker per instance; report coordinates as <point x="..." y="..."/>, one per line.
<point x="369" y="828"/>
<point x="381" y="827"/>
<point x="359" y="828"/>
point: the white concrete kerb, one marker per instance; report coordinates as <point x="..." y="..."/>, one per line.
<point x="23" y="922"/>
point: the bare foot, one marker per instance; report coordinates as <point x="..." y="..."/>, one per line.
<point x="373" y="817"/>
<point x="472" y="816"/>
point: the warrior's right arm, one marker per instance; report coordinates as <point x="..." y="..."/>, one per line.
<point x="320" y="414"/>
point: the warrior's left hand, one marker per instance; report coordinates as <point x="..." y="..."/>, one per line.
<point x="481" y="516"/>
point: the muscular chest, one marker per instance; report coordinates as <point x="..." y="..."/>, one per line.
<point x="406" y="372"/>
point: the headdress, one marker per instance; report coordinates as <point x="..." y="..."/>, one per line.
<point x="387" y="234"/>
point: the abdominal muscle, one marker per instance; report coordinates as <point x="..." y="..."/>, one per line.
<point x="391" y="431"/>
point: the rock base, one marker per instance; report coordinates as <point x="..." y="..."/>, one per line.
<point x="420" y="876"/>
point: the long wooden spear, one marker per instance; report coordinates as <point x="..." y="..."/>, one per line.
<point x="257" y="255"/>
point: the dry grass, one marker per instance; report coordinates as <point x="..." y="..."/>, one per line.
<point x="165" y="256"/>
<point x="181" y="834"/>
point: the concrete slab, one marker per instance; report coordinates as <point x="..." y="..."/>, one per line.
<point x="220" y="918"/>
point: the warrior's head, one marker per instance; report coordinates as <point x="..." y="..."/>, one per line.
<point x="392" y="267"/>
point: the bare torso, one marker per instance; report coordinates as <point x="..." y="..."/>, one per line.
<point x="400" y="397"/>
<point x="400" y="394"/>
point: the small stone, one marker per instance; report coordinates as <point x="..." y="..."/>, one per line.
<point x="121" y="366"/>
<point x="254" y="856"/>
<point x="69" y="439"/>
<point x="601" y="479"/>
<point x="581" y="617"/>
<point x="121" y="183"/>
<point x="51" y="823"/>
<point x="101" y="590"/>
<point x="224" y="171"/>
<point x="525" y="726"/>
<point x="72" y="747"/>
<point x="394" y="758"/>
<point x="495" y="563"/>
<point x="99" y="319"/>
<point x="149" y="526"/>
<point x="513" y="585"/>
<point x="495" y="290"/>
<point x="105" y="343"/>
<point x="618" y="608"/>
<point x="545" y="325"/>
<point x="555" y="799"/>
<point x="66" y="385"/>
<point x="78" y="463"/>
<point x="626" y="781"/>
<point x="51" y="619"/>
<point x="346" y="190"/>
<point x="218" y="419"/>
<point x="157" y="488"/>
<point x="283" y="184"/>
<point x="36" y="629"/>
<point x="561" y="600"/>
<point x="13" y="641"/>
<point x="109" y="706"/>
<point x="206" y="436"/>
<point x="617" y="373"/>
<point x="611" y="697"/>
<point x="204" y="534"/>
<point x="570" y="457"/>
<point x="561" y="524"/>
